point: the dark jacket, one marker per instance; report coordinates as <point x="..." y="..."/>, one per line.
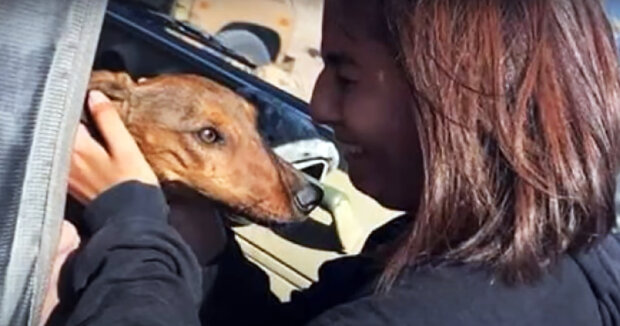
<point x="137" y="271"/>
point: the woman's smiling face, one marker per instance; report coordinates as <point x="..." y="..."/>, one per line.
<point x="364" y="96"/>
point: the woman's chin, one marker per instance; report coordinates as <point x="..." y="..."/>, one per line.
<point x="369" y="184"/>
<point x="376" y="187"/>
<point x="361" y="178"/>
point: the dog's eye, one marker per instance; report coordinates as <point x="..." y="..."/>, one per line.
<point x="209" y="135"/>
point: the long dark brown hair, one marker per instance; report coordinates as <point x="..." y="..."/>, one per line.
<point x="518" y="115"/>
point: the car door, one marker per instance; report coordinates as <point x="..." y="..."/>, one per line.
<point x="47" y="49"/>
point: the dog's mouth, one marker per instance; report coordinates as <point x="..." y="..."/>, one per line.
<point x="236" y="214"/>
<point x="240" y="219"/>
<point x="235" y="218"/>
<point x="251" y="215"/>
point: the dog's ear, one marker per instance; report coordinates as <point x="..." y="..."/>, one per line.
<point x="116" y="85"/>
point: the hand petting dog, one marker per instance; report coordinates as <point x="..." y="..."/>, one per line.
<point x="94" y="168"/>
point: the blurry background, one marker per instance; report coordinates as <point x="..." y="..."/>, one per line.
<point x="613" y="9"/>
<point x="289" y="30"/>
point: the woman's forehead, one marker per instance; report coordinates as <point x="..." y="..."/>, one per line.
<point x="358" y="19"/>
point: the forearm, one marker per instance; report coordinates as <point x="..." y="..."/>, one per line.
<point x="135" y="270"/>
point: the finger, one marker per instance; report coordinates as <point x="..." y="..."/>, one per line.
<point x="117" y="137"/>
<point x="68" y="242"/>
<point x="85" y="181"/>
<point x="87" y="159"/>
<point x="77" y="193"/>
<point x="86" y="146"/>
<point x="69" y="239"/>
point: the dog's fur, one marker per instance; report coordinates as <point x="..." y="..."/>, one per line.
<point x="165" y="115"/>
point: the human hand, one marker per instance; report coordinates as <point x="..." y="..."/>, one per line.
<point x="94" y="168"/>
<point x="69" y="242"/>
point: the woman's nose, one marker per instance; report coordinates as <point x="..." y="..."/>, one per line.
<point x="324" y="106"/>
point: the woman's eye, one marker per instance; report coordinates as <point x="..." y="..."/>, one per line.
<point x="348" y="76"/>
<point x="345" y="81"/>
<point x="209" y="135"/>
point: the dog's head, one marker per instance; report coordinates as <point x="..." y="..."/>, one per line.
<point x="203" y="135"/>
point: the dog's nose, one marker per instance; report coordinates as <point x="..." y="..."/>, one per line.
<point x="308" y="198"/>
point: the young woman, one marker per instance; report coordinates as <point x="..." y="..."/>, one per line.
<point x="493" y="123"/>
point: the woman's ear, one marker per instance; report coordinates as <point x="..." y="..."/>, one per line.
<point x="118" y="86"/>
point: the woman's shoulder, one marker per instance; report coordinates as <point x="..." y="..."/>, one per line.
<point x="467" y="295"/>
<point x="581" y="289"/>
<point x="600" y="266"/>
<point x="570" y="293"/>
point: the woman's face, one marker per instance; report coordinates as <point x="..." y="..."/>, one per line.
<point x="363" y="94"/>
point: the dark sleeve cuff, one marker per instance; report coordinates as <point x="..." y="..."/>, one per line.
<point x="126" y="201"/>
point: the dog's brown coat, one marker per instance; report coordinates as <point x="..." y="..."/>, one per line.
<point x="165" y="114"/>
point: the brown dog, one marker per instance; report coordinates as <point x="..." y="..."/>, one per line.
<point x="203" y="135"/>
